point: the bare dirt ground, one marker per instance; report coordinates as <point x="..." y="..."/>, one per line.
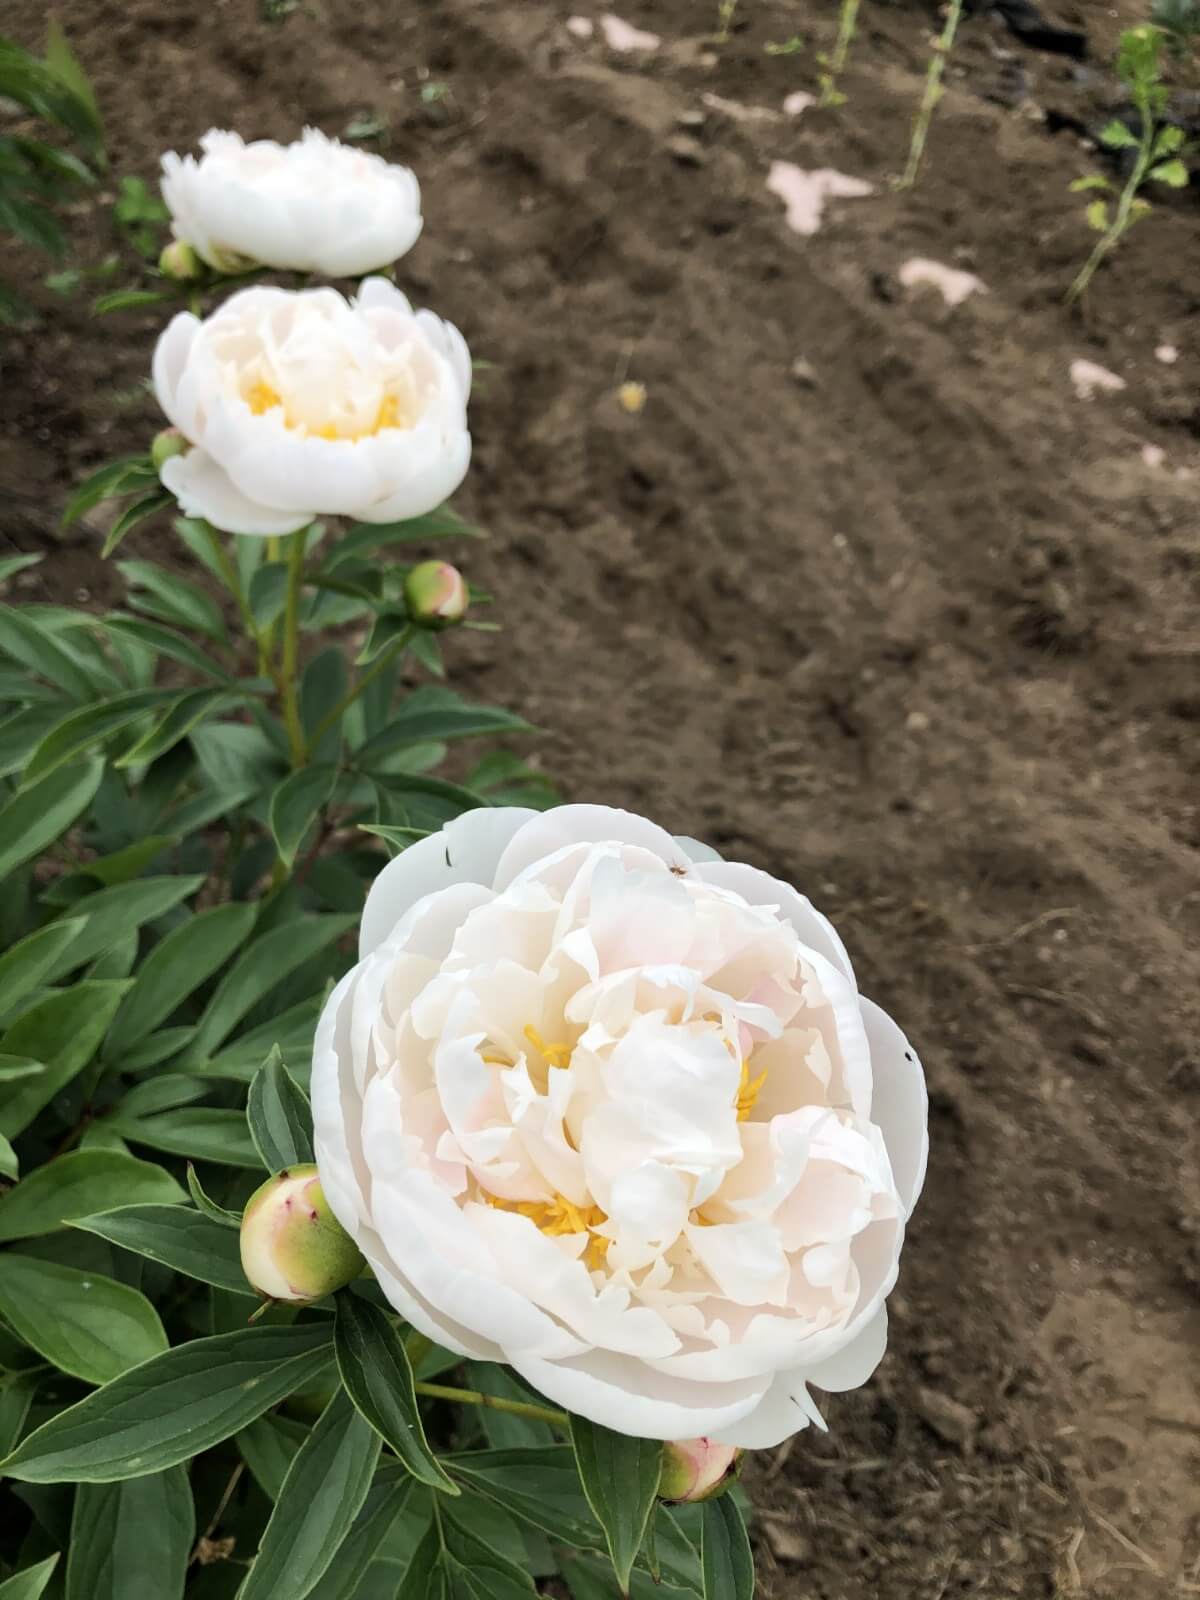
<point x="915" y="629"/>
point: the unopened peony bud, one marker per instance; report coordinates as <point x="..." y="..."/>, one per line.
<point x="697" y="1469"/>
<point x="180" y="261"/>
<point x="170" y="442"/>
<point x="436" y="595"/>
<point x="293" y="1247"/>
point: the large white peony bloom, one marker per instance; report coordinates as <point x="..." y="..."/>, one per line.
<point x="600" y="1105"/>
<point x="302" y="403"/>
<point x="312" y="206"/>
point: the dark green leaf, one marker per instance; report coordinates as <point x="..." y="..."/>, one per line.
<point x="426" y="1578"/>
<point x="186" y="711"/>
<point x="132" y="1540"/>
<point x="279" y="1117"/>
<point x="292" y="1031"/>
<point x="210" y="1208"/>
<point x="176" y="600"/>
<point x="269" y="1447"/>
<point x="155" y="636"/>
<point x="176" y="1237"/>
<point x="24" y="966"/>
<point x="11" y="565"/>
<point x="30" y="1584"/>
<point x="16" y="1397"/>
<point x="151" y="504"/>
<point x="173" y="1407"/>
<point x="27" y="641"/>
<point x="64" y="1030"/>
<point x="370" y="1528"/>
<point x="437" y="713"/>
<point x="369" y="536"/>
<point x="162" y="1092"/>
<point x="89" y="1326"/>
<point x="176" y="968"/>
<point x="538" y="1486"/>
<point x="202" y="1133"/>
<point x="323" y="1492"/>
<point x="620" y="1479"/>
<point x="112" y="912"/>
<point x="378" y="1378"/>
<point x="89" y="726"/>
<point x="130" y="300"/>
<point x="43" y="813"/>
<point x="295" y="806"/>
<point x="725" y="1552"/>
<point x="114" y="478"/>
<point x="256" y="972"/>
<point x="79" y="1182"/>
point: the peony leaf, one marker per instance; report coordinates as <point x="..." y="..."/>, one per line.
<point x="114" y="911"/>
<point x="322" y="1494"/>
<point x="173" y="1407"/>
<point x="296" y="805"/>
<point x="389" y="1492"/>
<point x="79" y="1182"/>
<point x="28" y="642"/>
<point x="131" y="1539"/>
<point x="89" y="1326"/>
<point x="202" y="1133"/>
<point x="378" y="1378"/>
<point x="176" y="1237"/>
<point x="279" y="1117"/>
<point x="64" y="1030"/>
<point x="24" y="966"/>
<point x="725" y="1554"/>
<point x="31" y="1583"/>
<point x="39" y="815"/>
<point x="538" y="1486"/>
<point x="88" y="726"/>
<point x="176" y="968"/>
<point x="620" y="1479"/>
<point x="210" y="1208"/>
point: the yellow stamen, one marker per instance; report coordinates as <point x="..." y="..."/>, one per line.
<point x="748" y="1091"/>
<point x="557" y="1218"/>
<point x="262" y="397"/>
<point x="556" y="1055"/>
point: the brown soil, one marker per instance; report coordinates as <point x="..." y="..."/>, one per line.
<point x="915" y="630"/>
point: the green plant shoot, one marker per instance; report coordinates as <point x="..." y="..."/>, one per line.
<point x="832" y="66"/>
<point x="942" y="47"/>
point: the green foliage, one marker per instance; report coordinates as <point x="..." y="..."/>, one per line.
<point x="36" y="176"/>
<point x="196" y="789"/>
<point x="1150" y="147"/>
<point x="726" y="1561"/>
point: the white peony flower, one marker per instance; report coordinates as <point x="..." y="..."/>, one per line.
<point x="302" y="403"/>
<point x="602" y="1106"/>
<point x="312" y="206"/>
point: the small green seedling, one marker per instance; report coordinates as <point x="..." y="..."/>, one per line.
<point x="140" y="217"/>
<point x="1156" y="150"/>
<point x="725" y="12"/>
<point x="789" y="47"/>
<point x="832" y="66"/>
<point x="942" y="47"/>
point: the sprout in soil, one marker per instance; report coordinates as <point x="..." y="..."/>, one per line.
<point x="1155" y="150"/>
<point x="942" y="47"/>
<point x="833" y="66"/>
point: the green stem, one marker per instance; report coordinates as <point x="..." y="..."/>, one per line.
<point x="514" y="1408"/>
<point x="725" y="11"/>
<point x="841" y="50"/>
<point x="386" y="656"/>
<point x="233" y="582"/>
<point x="1121" y="221"/>
<point x="290" y="660"/>
<point x="933" y="93"/>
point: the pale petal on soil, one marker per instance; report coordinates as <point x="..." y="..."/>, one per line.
<point x="797" y="102"/>
<point x="955" y="286"/>
<point x="805" y="193"/>
<point x="1089" y="379"/>
<point x="620" y="35"/>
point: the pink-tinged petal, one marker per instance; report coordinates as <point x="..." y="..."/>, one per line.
<point x="900" y="1103"/>
<point x="466" y="850"/>
<point x="204" y="489"/>
<point x="759" y="888"/>
<point x="785" y="1409"/>
<point x="337" y="1111"/>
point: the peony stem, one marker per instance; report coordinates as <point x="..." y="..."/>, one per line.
<point x="386" y="656"/>
<point x="515" y="1408"/>
<point x="289" y="666"/>
<point x="942" y="47"/>
<point x="233" y="582"/>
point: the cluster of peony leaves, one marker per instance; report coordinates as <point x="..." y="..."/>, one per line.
<point x="582" y="1171"/>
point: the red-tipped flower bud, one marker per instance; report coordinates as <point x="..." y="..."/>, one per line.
<point x="697" y="1469"/>
<point x="170" y="442"/>
<point x="436" y="595"/>
<point x="180" y="261"/>
<point x="293" y="1247"/>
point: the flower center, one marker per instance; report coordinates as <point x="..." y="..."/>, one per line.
<point x="555" y="1055"/>
<point x="262" y="397"/>
<point x="558" y="1217"/>
<point x="748" y="1089"/>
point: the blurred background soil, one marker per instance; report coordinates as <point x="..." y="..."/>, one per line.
<point x="866" y="594"/>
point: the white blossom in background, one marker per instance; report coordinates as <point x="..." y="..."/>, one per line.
<point x="602" y="1106"/>
<point x="300" y="403"/>
<point x="312" y="206"/>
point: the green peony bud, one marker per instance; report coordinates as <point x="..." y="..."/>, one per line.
<point x="436" y="595"/>
<point x="180" y="261"/>
<point x="293" y="1247"/>
<point x="170" y="442"/>
<point x="697" y="1469"/>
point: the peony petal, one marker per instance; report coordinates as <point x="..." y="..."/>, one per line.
<point x="855" y="1362"/>
<point x="900" y="1102"/>
<point x="466" y="850"/>
<point x="695" y="850"/>
<point x="170" y="359"/>
<point x="759" y="888"/>
<point x="785" y="1409"/>
<point x="204" y="489"/>
<point x="564" y="826"/>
